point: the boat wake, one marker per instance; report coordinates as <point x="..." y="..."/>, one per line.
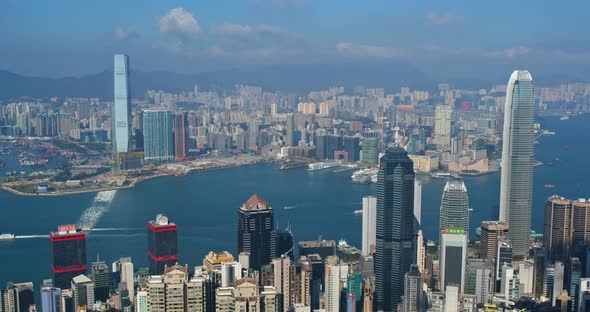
<point x="92" y="215"/>
<point x="114" y="229"/>
<point x="31" y="236"/>
<point x="289" y="207"/>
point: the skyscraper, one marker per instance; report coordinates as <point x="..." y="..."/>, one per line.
<point x="454" y="208"/>
<point x="442" y="126"/>
<point x="256" y="231"/>
<point x="127" y="277"/>
<point x="370" y="150"/>
<point x="83" y="290"/>
<point x="557" y="228"/>
<point x="162" y="244"/>
<point x="68" y="255"/>
<point x="158" y="137"/>
<point x="413" y="293"/>
<point x="180" y="135"/>
<point x="453" y="254"/>
<point x="479" y="279"/>
<point x="51" y="299"/>
<point x="100" y="277"/>
<point x="566" y="227"/>
<point x="491" y="233"/>
<point x="395" y="223"/>
<point x="516" y="186"/>
<point x="284" y="243"/>
<point x="290" y="129"/>
<point x="121" y="111"/>
<point x="369" y="224"/>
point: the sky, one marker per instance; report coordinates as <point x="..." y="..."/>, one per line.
<point x="443" y="38"/>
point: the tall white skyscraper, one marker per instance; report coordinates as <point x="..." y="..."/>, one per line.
<point x="127" y="276"/>
<point x="369" y="223"/>
<point x="332" y="282"/>
<point x="121" y="110"/>
<point x="516" y="188"/>
<point x="442" y="126"/>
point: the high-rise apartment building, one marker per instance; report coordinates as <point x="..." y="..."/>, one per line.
<point x="174" y="292"/>
<point x="158" y="135"/>
<point x="68" y="254"/>
<point x="454" y="208"/>
<point x="516" y="187"/>
<point x="395" y="224"/>
<point x="256" y="233"/>
<point x="442" y="126"/>
<point x="413" y="292"/>
<point x="121" y="110"/>
<point x="162" y="244"/>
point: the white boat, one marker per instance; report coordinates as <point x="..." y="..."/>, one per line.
<point x="6" y="236"/>
<point x="358" y="211"/>
<point x="564" y="117"/>
<point x="364" y="176"/>
<point x="323" y="165"/>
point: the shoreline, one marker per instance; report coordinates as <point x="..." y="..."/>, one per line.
<point x="133" y="183"/>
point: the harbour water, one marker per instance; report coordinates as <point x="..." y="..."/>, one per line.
<point x="204" y="205"/>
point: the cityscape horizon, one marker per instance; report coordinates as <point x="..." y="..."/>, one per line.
<point x="300" y="169"/>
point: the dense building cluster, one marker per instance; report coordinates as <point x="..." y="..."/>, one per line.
<point x="398" y="135"/>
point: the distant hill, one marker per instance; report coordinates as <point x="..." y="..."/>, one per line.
<point x="290" y="78"/>
<point x="296" y="78"/>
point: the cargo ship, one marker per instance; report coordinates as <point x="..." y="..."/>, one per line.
<point x="323" y="165"/>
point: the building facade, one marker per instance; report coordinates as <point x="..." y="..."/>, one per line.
<point x="394" y="231"/>
<point x="162" y="244"/>
<point x="516" y="187"/>
<point x="121" y="111"/>
<point x="256" y="233"/>
<point x="158" y="136"/>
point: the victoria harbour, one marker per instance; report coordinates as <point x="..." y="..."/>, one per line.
<point x="204" y="205"/>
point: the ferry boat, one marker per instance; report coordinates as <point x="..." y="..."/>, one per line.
<point x="564" y="117"/>
<point x="323" y="165"/>
<point x="6" y="236"/>
<point x="365" y="176"/>
<point x="358" y="211"/>
<point x="86" y="230"/>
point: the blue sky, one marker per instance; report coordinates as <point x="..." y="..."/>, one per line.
<point x="57" y="38"/>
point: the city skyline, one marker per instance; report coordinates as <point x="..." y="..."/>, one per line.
<point x="406" y="172"/>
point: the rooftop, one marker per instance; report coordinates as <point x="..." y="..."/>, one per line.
<point x="255" y="203"/>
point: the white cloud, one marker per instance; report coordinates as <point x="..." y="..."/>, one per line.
<point x="443" y="18"/>
<point x="180" y="22"/>
<point x="126" y="32"/>
<point x="361" y="50"/>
